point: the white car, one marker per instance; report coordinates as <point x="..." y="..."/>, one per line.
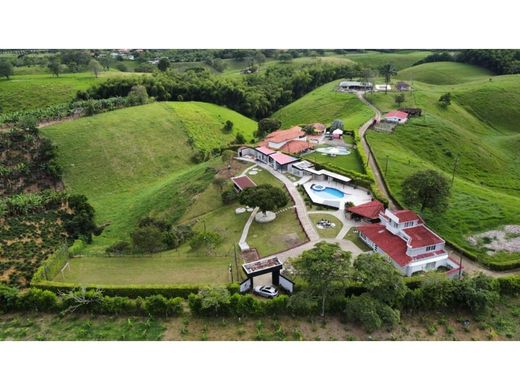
<point x="266" y="291"/>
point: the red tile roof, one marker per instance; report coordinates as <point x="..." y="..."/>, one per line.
<point x="396" y="114"/>
<point x="279" y="136"/>
<point x="393" y="246"/>
<point x="295" y="146"/>
<point x="406" y="216"/>
<point x="264" y="150"/>
<point x="422" y="236"/>
<point x="368" y="210"/>
<point x="282" y="159"/>
<point x="243" y="182"/>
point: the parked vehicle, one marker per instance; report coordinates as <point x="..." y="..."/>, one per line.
<point x="266" y="291"/>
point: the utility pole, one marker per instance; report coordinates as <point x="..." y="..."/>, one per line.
<point x="455" y="166"/>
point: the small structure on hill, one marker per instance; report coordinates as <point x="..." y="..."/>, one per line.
<point x="368" y="212"/>
<point x="383" y="87"/>
<point x="401" y="86"/>
<point x="264" y="266"/>
<point x="336" y="134"/>
<point x="396" y="117"/>
<point x="240" y="183"/>
<point x="411" y="111"/>
<point x="349" y="86"/>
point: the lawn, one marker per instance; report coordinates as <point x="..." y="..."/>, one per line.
<point x="480" y="126"/>
<point x="324" y="105"/>
<point x="440" y="73"/>
<point x="351" y="162"/>
<point x="354" y="237"/>
<point x="329" y="232"/>
<point x="137" y="161"/>
<point x="31" y="91"/>
<point x="165" y="268"/>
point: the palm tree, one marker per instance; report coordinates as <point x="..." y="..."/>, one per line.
<point x="387" y="70"/>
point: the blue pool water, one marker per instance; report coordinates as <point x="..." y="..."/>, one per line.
<point x="332" y="191"/>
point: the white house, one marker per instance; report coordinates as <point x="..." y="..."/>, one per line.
<point x="403" y="237"/>
<point x="355" y="86"/>
<point x="396" y="117"/>
<point x="382" y="87"/>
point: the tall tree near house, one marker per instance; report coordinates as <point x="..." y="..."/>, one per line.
<point x="6" y="69"/>
<point x="267" y="125"/>
<point x="95" y="67"/>
<point x="387" y="71"/>
<point x="426" y="189"/>
<point x="265" y="196"/>
<point x="227" y="156"/>
<point x="324" y="267"/>
<point x="399" y="99"/>
<point x="105" y="61"/>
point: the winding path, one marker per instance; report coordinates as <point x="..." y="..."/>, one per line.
<point x="470" y="266"/>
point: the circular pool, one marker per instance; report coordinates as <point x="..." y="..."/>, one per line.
<point x="318" y="187"/>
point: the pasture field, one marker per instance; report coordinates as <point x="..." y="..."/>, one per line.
<point x="351" y="162"/>
<point x="479" y="129"/>
<point x="443" y="73"/>
<point x="400" y="59"/>
<point x="31" y="91"/>
<point x="324" y="105"/>
<point x="137" y="161"/>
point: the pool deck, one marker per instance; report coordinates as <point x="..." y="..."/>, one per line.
<point x="355" y="195"/>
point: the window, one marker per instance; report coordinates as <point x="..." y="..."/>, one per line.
<point x="430" y="248"/>
<point x="408" y="224"/>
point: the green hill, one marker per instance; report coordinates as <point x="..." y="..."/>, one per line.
<point x="443" y="73"/>
<point x="324" y="105"/>
<point x="400" y="59"/>
<point x="137" y="161"/>
<point x="479" y="127"/>
<point x="31" y="91"/>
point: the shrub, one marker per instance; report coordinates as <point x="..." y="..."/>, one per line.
<point x="8" y="298"/>
<point x="210" y="302"/>
<point x="229" y="196"/>
<point x="121" y="67"/>
<point x="207" y="240"/>
<point x="370" y="313"/>
<point x="161" y="306"/>
<point x="119" y="305"/>
<point x="244" y="305"/>
<point x="35" y="299"/>
<point x="119" y="248"/>
<point x="147" y="239"/>
<point x="302" y="303"/>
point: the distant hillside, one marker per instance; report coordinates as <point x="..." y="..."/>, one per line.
<point x="400" y="59"/>
<point x="137" y="161"/>
<point x="480" y="129"/>
<point x="442" y="73"/>
<point x="324" y="105"/>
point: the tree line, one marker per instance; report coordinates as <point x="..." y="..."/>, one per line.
<point x="256" y="95"/>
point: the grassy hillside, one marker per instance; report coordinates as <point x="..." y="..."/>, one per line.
<point x="137" y="161"/>
<point x="440" y="73"/>
<point x="400" y="59"/>
<point x="480" y="127"/>
<point x="324" y="105"/>
<point x="24" y="92"/>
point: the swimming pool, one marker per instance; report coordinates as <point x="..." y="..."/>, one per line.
<point x="330" y="191"/>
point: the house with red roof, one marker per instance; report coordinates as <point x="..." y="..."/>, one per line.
<point x="404" y="238"/>
<point x="281" y="162"/>
<point x="368" y="212"/>
<point x="396" y="117"/>
<point x="296" y="146"/>
<point x="277" y="139"/>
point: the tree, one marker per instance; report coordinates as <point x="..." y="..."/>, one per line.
<point x="208" y="240"/>
<point x="138" y="95"/>
<point x="80" y="222"/>
<point x="227" y="156"/>
<point x="164" y="64"/>
<point x="240" y="139"/>
<point x="445" y="100"/>
<point x="387" y="71"/>
<point x="267" y="125"/>
<point x="381" y="279"/>
<point x="106" y="62"/>
<point x="285" y="57"/>
<point x="337" y="124"/>
<point x="228" y="127"/>
<point x="95" y="67"/>
<point x="399" y="99"/>
<point x="426" y="189"/>
<point x="265" y="196"/>
<point x="54" y="66"/>
<point x="229" y="196"/>
<point x="219" y="181"/>
<point x="324" y="267"/>
<point x="6" y="69"/>
<point x="147" y="238"/>
<point x="260" y="57"/>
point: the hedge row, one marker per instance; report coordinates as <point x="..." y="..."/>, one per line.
<point x="86" y="301"/>
<point x="130" y="291"/>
